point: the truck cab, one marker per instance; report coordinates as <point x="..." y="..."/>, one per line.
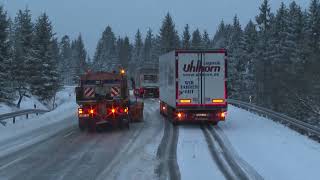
<point x="147" y="83"/>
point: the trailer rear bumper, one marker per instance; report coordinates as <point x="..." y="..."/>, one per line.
<point x="200" y="116"/>
<point x="209" y="114"/>
<point x="147" y="92"/>
<point x="99" y="120"/>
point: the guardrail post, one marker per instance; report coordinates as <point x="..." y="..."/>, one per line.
<point x="14" y="120"/>
<point x="27" y="116"/>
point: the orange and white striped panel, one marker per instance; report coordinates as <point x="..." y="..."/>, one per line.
<point x="89" y="92"/>
<point x="115" y="91"/>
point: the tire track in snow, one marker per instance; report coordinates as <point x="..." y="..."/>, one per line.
<point x="167" y="153"/>
<point x="232" y="166"/>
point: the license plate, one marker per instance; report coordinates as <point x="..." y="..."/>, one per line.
<point x="84" y="115"/>
<point x="201" y="119"/>
<point x="201" y="115"/>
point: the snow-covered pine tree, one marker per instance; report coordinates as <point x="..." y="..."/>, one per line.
<point x="147" y="51"/>
<point x="156" y="50"/>
<point x="248" y="47"/>
<point x="79" y="55"/>
<point x="222" y="38"/>
<point x="235" y="63"/>
<point x="291" y="76"/>
<point x="137" y="57"/>
<point x="314" y="25"/>
<point x="124" y="51"/>
<point x="263" y="63"/>
<point x="44" y="76"/>
<point x="54" y="74"/>
<point x="169" y="38"/>
<point x="6" y="91"/>
<point x="186" y="38"/>
<point x="206" y="40"/>
<point x="312" y="62"/>
<point x="65" y="60"/>
<point x="279" y="57"/>
<point x="105" y="54"/>
<point x="22" y="46"/>
<point x="196" y="41"/>
<point x="219" y="39"/>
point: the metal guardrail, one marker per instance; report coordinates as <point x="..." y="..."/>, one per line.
<point x="295" y="123"/>
<point x="13" y="115"/>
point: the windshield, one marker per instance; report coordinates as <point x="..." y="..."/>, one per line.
<point x="150" y="78"/>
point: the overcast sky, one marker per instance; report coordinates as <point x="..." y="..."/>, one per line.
<point x="90" y="17"/>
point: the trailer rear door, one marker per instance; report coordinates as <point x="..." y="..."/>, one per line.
<point x="201" y="78"/>
<point x="213" y="79"/>
<point x="189" y="80"/>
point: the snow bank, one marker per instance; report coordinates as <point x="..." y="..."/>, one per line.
<point x="28" y="103"/>
<point x="274" y="150"/>
<point x="66" y="110"/>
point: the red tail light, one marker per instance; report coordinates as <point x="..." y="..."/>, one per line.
<point x="180" y="115"/>
<point x="141" y="90"/>
<point x="123" y="110"/>
<point x="222" y="115"/>
<point x="118" y="110"/>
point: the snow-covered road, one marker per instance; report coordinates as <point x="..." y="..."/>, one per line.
<point x="52" y="147"/>
<point x="194" y="157"/>
<point x="72" y="154"/>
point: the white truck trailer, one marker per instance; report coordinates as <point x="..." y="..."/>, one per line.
<point x="193" y="85"/>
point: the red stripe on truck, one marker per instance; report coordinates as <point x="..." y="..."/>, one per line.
<point x="195" y="51"/>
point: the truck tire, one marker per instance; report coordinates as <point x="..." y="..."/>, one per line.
<point x="92" y="127"/>
<point x="214" y="123"/>
<point x="81" y="127"/>
<point x="175" y="123"/>
<point x="124" y="123"/>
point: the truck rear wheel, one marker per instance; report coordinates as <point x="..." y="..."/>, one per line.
<point x="214" y="123"/>
<point x="82" y="125"/>
<point x="175" y="123"/>
<point x="92" y="127"/>
<point x="124" y="123"/>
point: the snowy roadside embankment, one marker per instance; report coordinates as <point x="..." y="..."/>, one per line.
<point x="32" y="129"/>
<point x="26" y="103"/>
<point x="62" y="96"/>
<point x="274" y="150"/>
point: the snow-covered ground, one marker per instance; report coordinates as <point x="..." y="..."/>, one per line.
<point x="26" y="103"/>
<point x="24" y="127"/>
<point x="194" y="158"/>
<point x="272" y="149"/>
